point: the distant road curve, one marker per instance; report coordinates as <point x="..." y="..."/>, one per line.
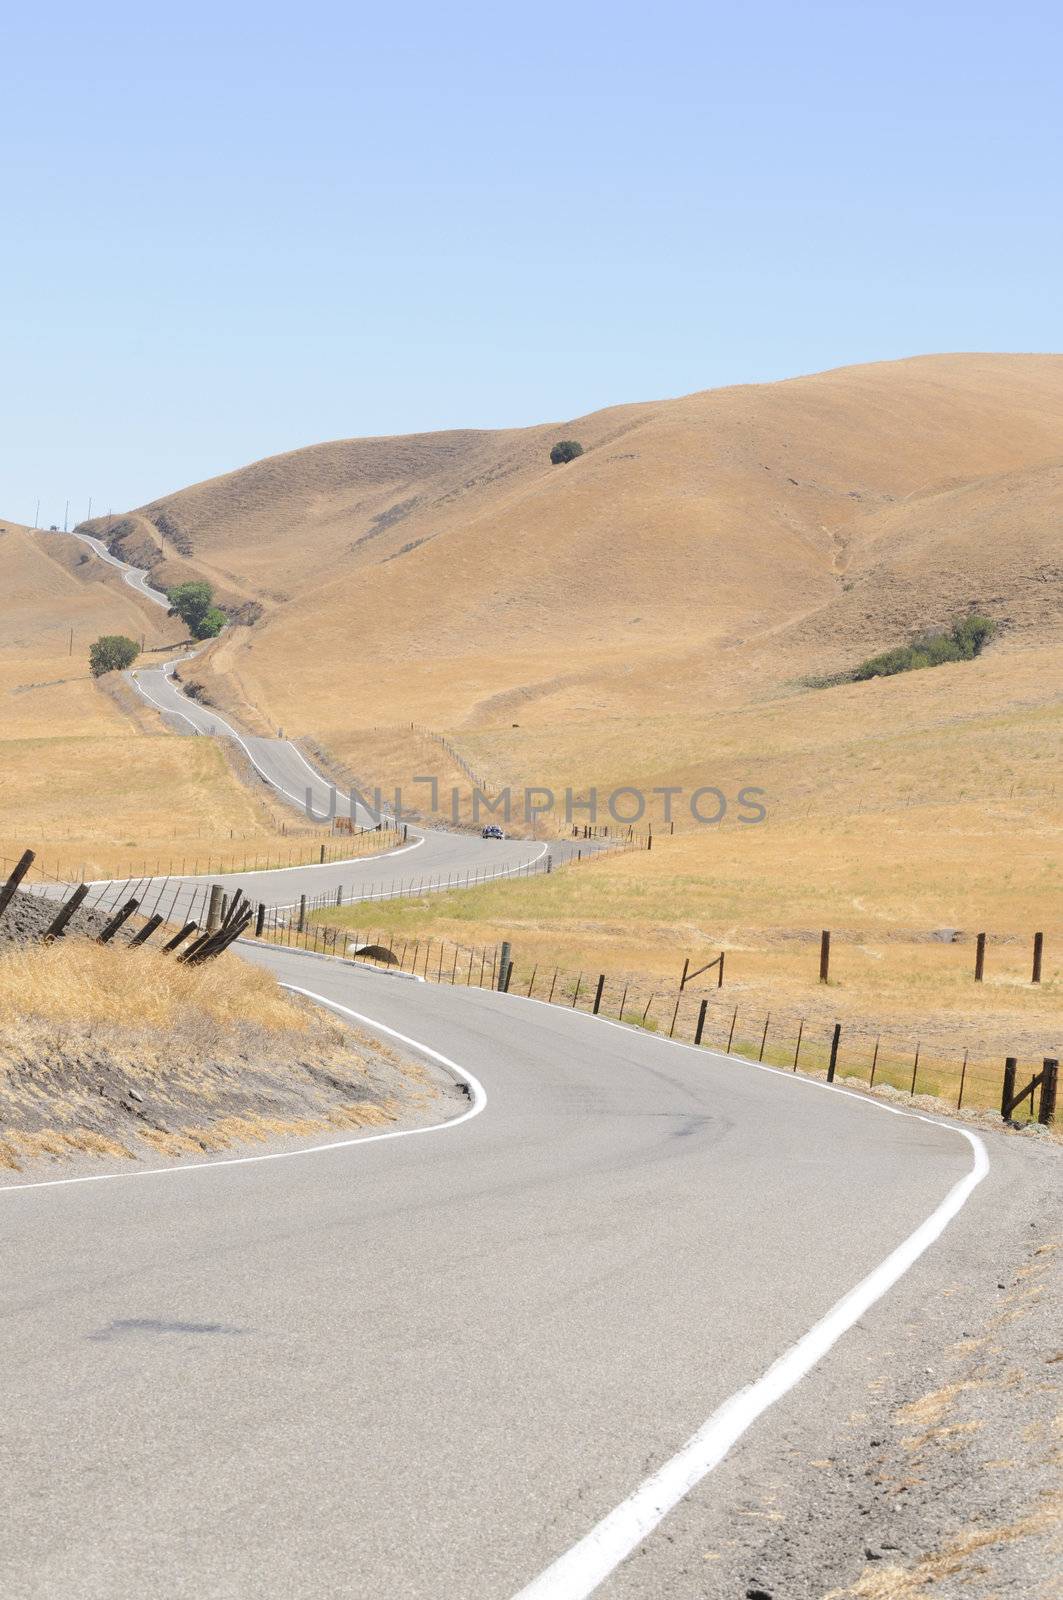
<point x="442" y="859"/>
<point x="136" y="577"/>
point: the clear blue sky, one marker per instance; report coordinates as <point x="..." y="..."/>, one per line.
<point x="232" y="230"/>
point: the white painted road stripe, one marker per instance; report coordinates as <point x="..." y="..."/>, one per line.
<point x="587" y="1564"/>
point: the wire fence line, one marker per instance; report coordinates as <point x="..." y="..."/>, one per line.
<point x="311" y="850"/>
<point x="709" y="1018"/>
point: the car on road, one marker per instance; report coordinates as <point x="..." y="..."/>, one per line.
<point x="492" y="831"/>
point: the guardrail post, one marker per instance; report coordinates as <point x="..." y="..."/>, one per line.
<point x="833" y="1043"/>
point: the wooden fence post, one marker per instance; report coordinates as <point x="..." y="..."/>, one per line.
<point x="58" y="926"/>
<point x="1050" y="1072"/>
<point x="1008" y="1091"/>
<point x="824" y="956"/>
<point x="915" y="1067"/>
<point x="764" y="1037"/>
<point x="700" y="1029"/>
<point x="1038" y="951"/>
<point x="797" y="1047"/>
<point x="503" y="964"/>
<point x="301" y="924"/>
<point x="833" y="1044"/>
<point x="112" y="927"/>
<point x="598" y="993"/>
<point x="260" y="918"/>
<point x="214" y="909"/>
<point x="7" y="893"/>
<point x="979" y="958"/>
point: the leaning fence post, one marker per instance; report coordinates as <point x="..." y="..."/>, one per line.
<point x="833" y="1043"/>
<point x="260" y="918"/>
<point x="214" y="909"/>
<point x="1049" y="1074"/>
<point x="700" y="1029"/>
<point x="598" y="993"/>
<point x="7" y="893"/>
<point x="824" y="956"/>
<point x="797" y="1047"/>
<point x="915" y="1067"/>
<point x="1008" y="1092"/>
<point x="58" y="926"/>
<point x="764" y="1037"/>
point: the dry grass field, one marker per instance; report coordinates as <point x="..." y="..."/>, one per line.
<point x="86" y="775"/>
<point x="652" y="614"/>
<point x="134" y="1055"/>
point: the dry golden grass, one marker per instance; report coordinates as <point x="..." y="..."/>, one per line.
<point x="107" y="1051"/>
<point x="701" y="551"/>
<point x="75" y="980"/>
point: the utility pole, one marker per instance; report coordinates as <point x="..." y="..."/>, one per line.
<point x="37" y="513"/>
<point x="66" y="517"/>
<point x="89" y="517"/>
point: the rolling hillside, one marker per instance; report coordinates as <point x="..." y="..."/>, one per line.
<point x="712" y="548"/>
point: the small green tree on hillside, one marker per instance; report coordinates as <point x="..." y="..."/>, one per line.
<point x="194" y="604"/>
<point x="112" y="652"/>
<point x="565" y="450"/>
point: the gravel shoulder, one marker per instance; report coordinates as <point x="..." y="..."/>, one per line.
<point x="926" y="1456"/>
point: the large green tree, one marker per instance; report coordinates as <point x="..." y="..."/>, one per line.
<point x="194" y="604"/>
<point x="112" y="652"/>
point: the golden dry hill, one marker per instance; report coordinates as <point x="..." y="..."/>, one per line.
<point x="707" y="550"/>
<point x="88" y="777"/>
<point x="654" y="613"/>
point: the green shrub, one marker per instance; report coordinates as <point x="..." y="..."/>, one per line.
<point x="962" y="643"/>
<point x="565" y="450"/>
<point x="112" y="652"/>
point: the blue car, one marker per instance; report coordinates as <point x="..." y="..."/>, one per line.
<point x="493" y="831"/>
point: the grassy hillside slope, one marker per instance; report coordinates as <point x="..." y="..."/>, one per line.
<point x="713" y="547"/>
<point x="86" y="775"/>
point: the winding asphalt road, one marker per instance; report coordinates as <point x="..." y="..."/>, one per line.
<point x="480" y="1361"/>
<point x="430" y="859"/>
<point x="450" y="1363"/>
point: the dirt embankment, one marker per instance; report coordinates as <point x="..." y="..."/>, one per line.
<point x="111" y="1052"/>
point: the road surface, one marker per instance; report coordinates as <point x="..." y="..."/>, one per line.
<point x="430" y="859"/>
<point x="135" y="576"/>
<point x="430" y="1365"/>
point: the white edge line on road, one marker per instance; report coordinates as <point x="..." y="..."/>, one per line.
<point x="399" y="894"/>
<point x="264" y="872"/>
<point x="476" y="1090"/>
<point x="588" y="1563"/>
